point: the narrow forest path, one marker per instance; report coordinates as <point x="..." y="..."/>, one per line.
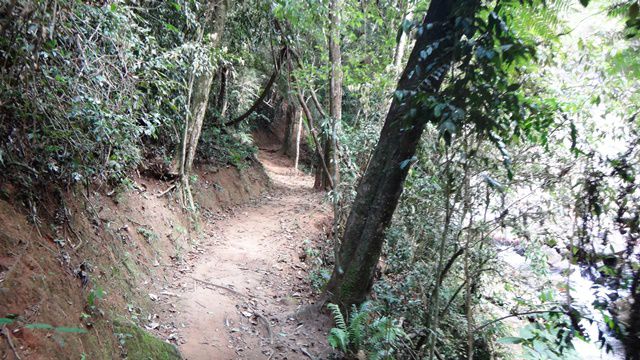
<point x="238" y="296"/>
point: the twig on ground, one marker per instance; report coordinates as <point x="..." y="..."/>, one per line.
<point x="304" y="351"/>
<point x="137" y="223"/>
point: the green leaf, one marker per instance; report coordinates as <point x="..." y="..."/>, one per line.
<point x="39" y="326"/>
<point x="70" y="330"/>
<point x="171" y="28"/>
<point x="584" y="2"/>
<point x="5" y="321"/>
<point x="437" y="110"/>
<point x="176" y="6"/>
<point x="633" y="11"/>
<point x="510" y="340"/>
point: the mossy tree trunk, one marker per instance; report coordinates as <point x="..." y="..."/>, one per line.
<point x="382" y="183"/>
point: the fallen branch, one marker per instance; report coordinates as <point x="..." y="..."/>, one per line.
<point x="218" y="286"/>
<point x="166" y="191"/>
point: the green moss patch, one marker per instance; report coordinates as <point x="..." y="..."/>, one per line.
<point x="138" y="344"/>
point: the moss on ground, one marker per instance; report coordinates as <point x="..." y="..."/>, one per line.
<point x="140" y="345"/>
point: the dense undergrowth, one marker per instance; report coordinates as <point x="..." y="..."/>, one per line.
<point x="90" y="93"/>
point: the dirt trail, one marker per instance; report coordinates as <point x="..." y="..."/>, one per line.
<point x="238" y="297"/>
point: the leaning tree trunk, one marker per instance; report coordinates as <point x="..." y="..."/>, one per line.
<point x="335" y="101"/>
<point x="382" y="183"/>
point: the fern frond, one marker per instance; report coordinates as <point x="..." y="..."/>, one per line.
<point x="338" y="318"/>
<point x="338" y="339"/>
<point x="357" y="320"/>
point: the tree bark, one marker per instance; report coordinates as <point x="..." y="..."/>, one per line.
<point x="335" y="99"/>
<point x="298" y="135"/>
<point x="222" y="101"/>
<point x="292" y="114"/>
<point x="200" y="87"/>
<point x="382" y="183"/>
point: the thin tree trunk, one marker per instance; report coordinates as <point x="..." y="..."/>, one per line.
<point x="401" y="46"/>
<point x="197" y="100"/>
<point x="335" y="98"/>
<point x="288" y="130"/>
<point x="314" y="136"/>
<point x="381" y="185"/>
<point x="299" y="133"/>
<point x="292" y="116"/>
<point x="222" y="101"/>
<point x="434" y="308"/>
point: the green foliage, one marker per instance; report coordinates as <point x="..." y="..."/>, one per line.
<point x="377" y="337"/>
<point x="546" y="339"/>
<point x="89" y="91"/>
<point x="94" y="295"/>
<point x="58" y="329"/>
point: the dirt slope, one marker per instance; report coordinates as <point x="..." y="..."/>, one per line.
<point x="59" y="250"/>
<point x="236" y="296"/>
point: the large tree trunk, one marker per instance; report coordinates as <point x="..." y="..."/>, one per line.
<point x="335" y="100"/>
<point x="381" y="185"/>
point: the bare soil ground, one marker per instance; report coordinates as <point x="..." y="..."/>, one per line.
<point x="237" y="292"/>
